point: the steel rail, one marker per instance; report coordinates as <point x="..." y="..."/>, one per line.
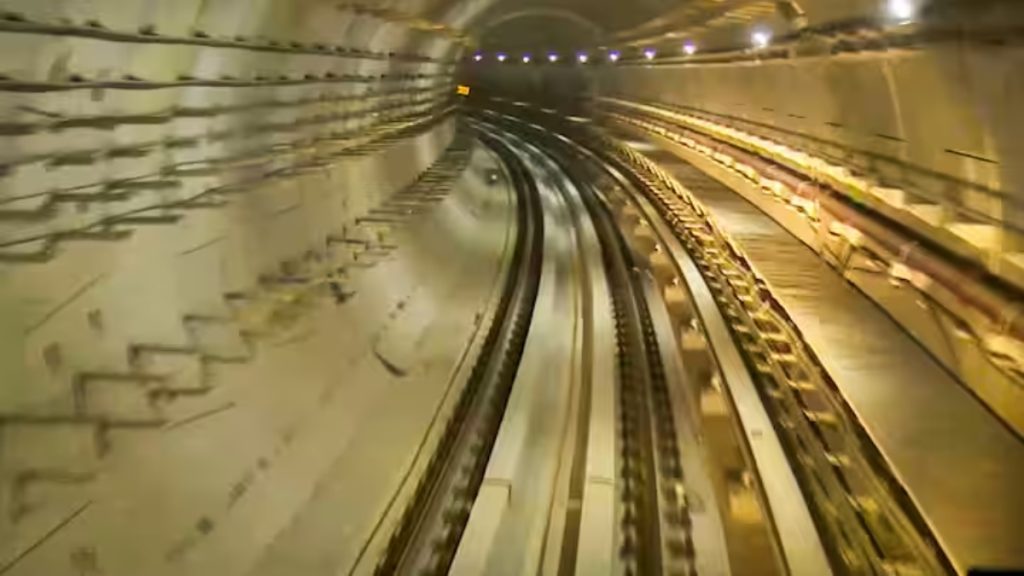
<point x="654" y="520"/>
<point x="798" y="544"/>
<point x="431" y="527"/>
<point x="869" y="529"/>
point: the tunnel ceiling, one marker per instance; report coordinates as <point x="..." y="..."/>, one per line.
<point x="558" y="24"/>
<point x="561" y="23"/>
<point x="250" y="262"/>
<point x="606" y="15"/>
<point x="537" y="24"/>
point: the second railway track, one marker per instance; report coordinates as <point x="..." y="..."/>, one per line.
<point x="586" y="341"/>
<point x="432" y="525"/>
<point x="676" y="496"/>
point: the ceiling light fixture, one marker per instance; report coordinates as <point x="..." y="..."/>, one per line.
<point x="901" y="10"/>
<point x="582" y="57"/>
<point x="614" y="56"/>
<point x="689" y="48"/>
<point x="552" y="57"/>
<point x="761" y="39"/>
<point x="502" y="57"/>
<point x="526" y="58"/>
<point x="650" y="53"/>
<point x="478" y="57"/>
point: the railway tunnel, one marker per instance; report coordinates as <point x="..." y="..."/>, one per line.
<point x="474" y="287"/>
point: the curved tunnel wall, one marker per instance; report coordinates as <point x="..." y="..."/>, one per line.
<point x="83" y="309"/>
<point x="96" y="128"/>
<point x="76" y="157"/>
<point x="161" y="161"/>
<point x="242" y="477"/>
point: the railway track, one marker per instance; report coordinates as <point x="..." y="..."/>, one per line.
<point x="611" y="504"/>
<point x="616" y="341"/>
<point x="655" y="519"/>
<point x="866" y="524"/>
<point x="652" y="532"/>
<point x="778" y="495"/>
<point x="431" y="527"/>
<point x="652" y="511"/>
<point x="821" y="504"/>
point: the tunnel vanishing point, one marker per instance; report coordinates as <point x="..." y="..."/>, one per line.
<point x="511" y="287"/>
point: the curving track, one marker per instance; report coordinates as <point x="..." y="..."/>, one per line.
<point x="433" y="524"/>
<point x="660" y="414"/>
<point x="597" y="466"/>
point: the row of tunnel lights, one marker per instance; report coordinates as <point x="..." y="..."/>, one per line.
<point x="759" y="40"/>
<point x="902" y="11"/>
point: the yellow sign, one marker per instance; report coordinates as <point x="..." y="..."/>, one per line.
<point x="462" y="90"/>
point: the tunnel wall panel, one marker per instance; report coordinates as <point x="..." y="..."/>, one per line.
<point x="83" y="142"/>
<point x="943" y="120"/>
<point x="186" y="268"/>
<point x="312" y="428"/>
